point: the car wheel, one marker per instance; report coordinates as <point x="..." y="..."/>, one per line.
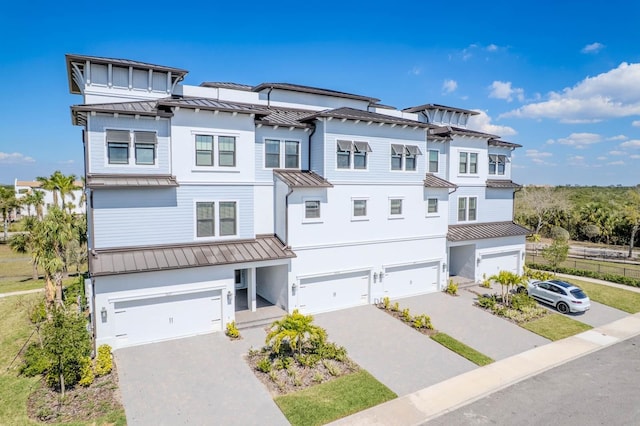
<point x="522" y="290"/>
<point x="562" y="307"/>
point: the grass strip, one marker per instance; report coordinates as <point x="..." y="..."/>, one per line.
<point x="555" y="326"/>
<point x="330" y="401"/>
<point x="624" y="300"/>
<point x="462" y="349"/>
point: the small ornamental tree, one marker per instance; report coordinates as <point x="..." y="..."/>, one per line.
<point x="558" y="233"/>
<point x="295" y="333"/>
<point x="591" y="231"/>
<point x="507" y="281"/>
<point x="556" y="253"/>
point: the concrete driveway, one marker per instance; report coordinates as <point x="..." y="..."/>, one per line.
<point x="487" y="333"/>
<point x="198" y="380"/>
<point x="598" y="315"/>
<point x="394" y="353"/>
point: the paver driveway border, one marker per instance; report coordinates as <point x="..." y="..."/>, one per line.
<point x="197" y="380"/>
<point x="455" y="315"/>
<point x="400" y="357"/>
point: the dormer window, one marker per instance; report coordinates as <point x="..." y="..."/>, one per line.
<point x="281" y="154"/>
<point x="468" y="163"/>
<point x="118" y="146"/>
<point x="497" y="164"/>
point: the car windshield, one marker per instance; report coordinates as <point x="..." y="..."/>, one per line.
<point x="578" y="293"/>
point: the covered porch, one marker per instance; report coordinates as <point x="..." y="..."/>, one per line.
<point x="261" y="294"/>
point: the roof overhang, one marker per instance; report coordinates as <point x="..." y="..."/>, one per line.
<point x="482" y="231"/>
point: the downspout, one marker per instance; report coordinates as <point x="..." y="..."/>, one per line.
<point x="269" y="97"/>
<point x="89" y="210"/>
<point x="286" y="217"/>
<point x="313" y="130"/>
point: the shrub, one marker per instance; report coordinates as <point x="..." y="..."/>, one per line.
<point x="406" y="316"/>
<point x="35" y="361"/>
<point x="104" y="362"/>
<point x="486" y="283"/>
<point x="86" y="373"/>
<point x="232" y="331"/>
<point x="74" y="292"/>
<point x="308" y="360"/>
<point x="332" y="351"/>
<point x="395" y="307"/>
<point x="422" y="321"/>
<point x="331" y="367"/>
<point x="264" y="365"/>
<point x="295" y="333"/>
<point x="452" y="288"/>
<point x="522" y="300"/>
<point x="318" y="377"/>
<point x="487" y="302"/>
<point x="38" y="313"/>
<point x="614" y="278"/>
<point x="386" y="303"/>
<point x="558" y="233"/>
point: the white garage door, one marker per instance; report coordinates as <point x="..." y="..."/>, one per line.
<point x="166" y="317"/>
<point x="333" y="292"/>
<point x="408" y="280"/>
<point x="491" y="264"/>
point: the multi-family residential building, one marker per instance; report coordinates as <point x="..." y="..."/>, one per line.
<point x="74" y="200"/>
<point x="205" y="200"/>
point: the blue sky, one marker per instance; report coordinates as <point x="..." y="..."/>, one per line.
<point x="561" y="78"/>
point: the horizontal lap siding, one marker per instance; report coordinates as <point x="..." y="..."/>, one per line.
<point x="98" y="162"/>
<point x="135" y="217"/>
<point x="267" y="132"/>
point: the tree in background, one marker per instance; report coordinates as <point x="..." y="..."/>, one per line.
<point x="24" y="242"/>
<point x="60" y="184"/>
<point x="8" y="202"/>
<point x="556" y="253"/>
<point x="632" y="216"/>
<point x="540" y="207"/>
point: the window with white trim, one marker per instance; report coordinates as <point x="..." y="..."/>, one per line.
<point x="281" y="154"/>
<point x="145" y="147"/>
<point x="467" y="209"/>
<point x="395" y="207"/>
<point x="497" y="164"/>
<point x="432" y="206"/>
<point x="468" y="163"/>
<point x="352" y="154"/>
<point x="312" y="209"/>
<point x="118" y="142"/>
<point x="205" y="151"/>
<point x="404" y="157"/>
<point x="359" y="210"/>
<point x="433" y="160"/>
<point x="206" y="225"/>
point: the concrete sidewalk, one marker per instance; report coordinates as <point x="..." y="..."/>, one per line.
<point x="428" y="403"/>
<point x="18" y="293"/>
<point x="596" y="281"/>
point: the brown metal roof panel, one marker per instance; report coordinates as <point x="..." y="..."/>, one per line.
<point x="437" y="106"/>
<point x="502" y="183"/>
<point x="170" y="256"/>
<point x="124" y="62"/>
<point x="314" y="90"/>
<point x="268" y="246"/>
<point x="432" y="181"/>
<point x="150" y="259"/>
<point x="201" y="258"/>
<point x="129" y="262"/>
<point x="485" y="230"/>
<point x="161" y="260"/>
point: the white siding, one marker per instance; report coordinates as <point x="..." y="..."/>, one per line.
<point x="317" y="149"/>
<point x="264" y="174"/>
<point x="290" y="98"/>
<point x="272" y="284"/>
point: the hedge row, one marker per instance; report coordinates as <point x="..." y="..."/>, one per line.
<point x="620" y="279"/>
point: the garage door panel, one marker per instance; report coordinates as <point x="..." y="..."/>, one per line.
<point x="408" y="280"/>
<point x="338" y="291"/>
<point x="491" y="264"/>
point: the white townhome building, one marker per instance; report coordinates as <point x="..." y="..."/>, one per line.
<point x="211" y="199"/>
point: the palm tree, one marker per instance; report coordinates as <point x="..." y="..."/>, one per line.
<point x="296" y="331"/>
<point x="8" y="202"/>
<point x="65" y="186"/>
<point x="24" y="242"/>
<point x="507" y="280"/>
<point x="37" y="199"/>
<point x="48" y="184"/>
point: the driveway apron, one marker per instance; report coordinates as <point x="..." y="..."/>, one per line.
<point x="597" y="315"/>
<point x="198" y="380"/>
<point x="455" y="315"/>
<point x="394" y="353"/>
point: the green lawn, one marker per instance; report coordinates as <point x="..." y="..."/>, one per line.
<point x="627" y="301"/>
<point x="330" y="401"/>
<point x="462" y="349"/>
<point x="556" y="326"/>
<point x="8" y="286"/>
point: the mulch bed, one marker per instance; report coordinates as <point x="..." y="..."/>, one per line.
<point x="80" y="403"/>
<point x="398" y="315"/>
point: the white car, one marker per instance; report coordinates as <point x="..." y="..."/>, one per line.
<point x="564" y="296"/>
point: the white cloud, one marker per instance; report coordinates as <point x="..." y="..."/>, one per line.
<point x="617" y="153"/>
<point x="601" y="158"/>
<point x="576" y="160"/>
<point x="503" y="90"/>
<point x="415" y="71"/>
<point x="615" y="93"/>
<point x="15" y="158"/>
<point x="635" y="156"/>
<point x="449" y="86"/>
<point x="482" y="122"/>
<point x="593" y="48"/>
<point x="635" y="143"/>
<point x="580" y="140"/>
<point x="474" y="49"/>
<point x="635" y="123"/>
<point x="616" y="163"/>
<point x="618" y="138"/>
<point x="66" y="162"/>
<point x="492" y="48"/>
<point x="534" y="153"/>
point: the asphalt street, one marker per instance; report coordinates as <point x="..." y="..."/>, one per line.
<point x="597" y="389"/>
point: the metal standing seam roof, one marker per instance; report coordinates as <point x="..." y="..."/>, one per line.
<point x="302" y="178"/>
<point x="502" y="183"/>
<point x="504" y="144"/>
<point x="227" y="85"/>
<point x="313" y="90"/>
<point x="432" y="181"/>
<point x="145" y="108"/>
<point x="130" y="181"/>
<point x="124" y="62"/>
<point x="286" y="117"/>
<point x="481" y="231"/>
<point x="214" y="105"/>
<point x="436" y="106"/>
<point x="356" y="114"/>
<point x="158" y="258"/>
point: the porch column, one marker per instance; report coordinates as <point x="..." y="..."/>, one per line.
<point x="251" y="289"/>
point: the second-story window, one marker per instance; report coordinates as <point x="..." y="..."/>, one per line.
<point x="145" y="147"/>
<point x="272" y="153"/>
<point x="360" y="154"/>
<point x="344" y="149"/>
<point x="226" y="151"/>
<point x="118" y="146"/>
<point x="467" y="209"/>
<point x="404" y="157"/>
<point x="468" y="163"/>
<point x="433" y="160"/>
<point x="497" y="164"/>
<point x="204" y="150"/>
<point x="206" y="225"/>
<point x="410" y="160"/>
<point x="281" y="153"/>
<point x="206" y="147"/>
<point x="227" y="218"/>
<point x="291" y="154"/>
<point x="396" y="156"/>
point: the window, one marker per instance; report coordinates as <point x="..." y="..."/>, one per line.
<point x="404" y="157"/>
<point x="343" y="159"/>
<point x="118" y="146"/>
<point x="226" y="151"/>
<point x="395" y="207"/>
<point x="432" y="205"/>
<point x="312" y="209"/>
<point x="227" y="218"/>
<point x="467" y="208"/>
<point x="359" y="208"/>
<point x="272" y="153"/>
<point x="468" y="163"/>
<point x="497" y="164"/>
<point x="291" y="154"/>
<point x="204" y="150"/>
<point x="205" y="219"/>
<point x="287" y="156"/>
<point x="433" y="160"/>
<point x="145" y="147"/>
<point x="360" y="155"/>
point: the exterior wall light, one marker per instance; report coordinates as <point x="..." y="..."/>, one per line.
<point x="478" y="261"/>
<point x="380" y="275"/>
<point x="294" y="287"/>
<point x="375" y="277"/>
<point x="444" y="267"/>
<point x="229" y="297"/>
<point x="103" y="314"/>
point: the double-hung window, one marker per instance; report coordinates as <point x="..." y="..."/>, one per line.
<point x="395" y="207"/>
<point x="226" y="151"/>
<point x="467" y="209"/>
<point x="206" y="148"/>
<point x="118" y="146"/>
<point x="206" y="225"/>
<point x="343" y="154"/>
<point x="281" y="153"/>
<point x="497" y="164"/>
<point x="312" y="209"/>
<point x="433" y="160"/>
<point x="352" y="155"/>
<point x="468" y="163"/>
<point x="145" y="147"/>
<point x="359" y="208"/>
<point x="432" y="206"/>
<point x="404" y="157"/>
